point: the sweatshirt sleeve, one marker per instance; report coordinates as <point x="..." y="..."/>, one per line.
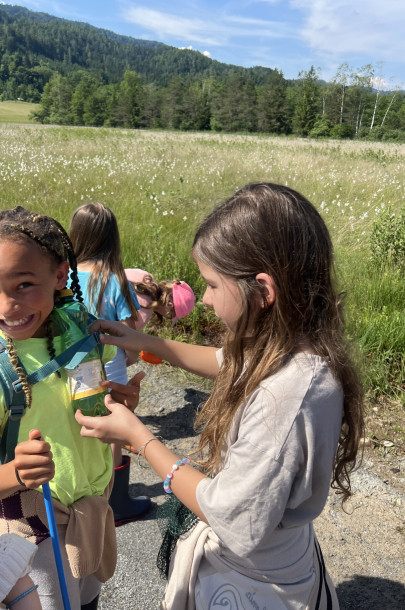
<point x="16" y="556"/>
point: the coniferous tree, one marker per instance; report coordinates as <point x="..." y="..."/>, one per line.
<point x="196" y="108"/>
<point x="173" y="103"/>
<point x="150" y="106"/>
<point x="82" y="92"/>
<point x="95" y="107"/>
<point x="307" y="102"/>
<point x="234" y="105"/>
<point x="129" y="99"/>
<point x="272" y="112"/>
<point x="55" y="101"/>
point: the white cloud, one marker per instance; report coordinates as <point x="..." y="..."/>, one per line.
<point x="348" y="27"/>
<point x="166" y="25"/>
<point x="190" y="48"/>
<point x="265" y="28"/>
<point x="217" y="30"/>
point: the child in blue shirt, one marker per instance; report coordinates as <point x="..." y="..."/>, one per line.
<point x="108" y="295"/>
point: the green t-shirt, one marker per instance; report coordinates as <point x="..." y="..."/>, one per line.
<point x="83" y="466"/>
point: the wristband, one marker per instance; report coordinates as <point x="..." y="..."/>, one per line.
<point x="139" y="451"/>
<point x="169" y="476"/>
<point x="17" y="599"/>
<point x="17" y="476"/>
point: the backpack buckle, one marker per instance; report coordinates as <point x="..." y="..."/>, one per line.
<point x="17" y="386"/>
<point x="16" y="412"/>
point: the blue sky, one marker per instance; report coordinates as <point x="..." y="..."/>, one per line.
<point x="290" y="35"/>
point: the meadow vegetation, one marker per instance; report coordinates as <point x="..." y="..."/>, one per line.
<point x="16" y="112"/>
<point x="161" y="184"/>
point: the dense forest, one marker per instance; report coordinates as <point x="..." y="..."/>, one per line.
<point x="82" y="75"/>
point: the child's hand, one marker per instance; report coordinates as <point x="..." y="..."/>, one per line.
<point x="118" y="427"/>
<point x="118" y="334"/>
<point x="33" y="461"/>
<point x="127" y="395"/>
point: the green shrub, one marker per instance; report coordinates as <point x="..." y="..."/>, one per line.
<point x="342" y="131"/>
<point x="321" y="129"/>
<point x="394" y="135"/>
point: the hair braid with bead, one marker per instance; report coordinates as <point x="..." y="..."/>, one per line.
<point x="21" y="224"/>
<point x="20" y="372"/>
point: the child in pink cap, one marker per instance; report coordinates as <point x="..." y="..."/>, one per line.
<point x="168" y="299"/>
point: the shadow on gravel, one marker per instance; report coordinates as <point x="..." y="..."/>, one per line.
<point x="141" y="489"/>
<point x="368" y="593"/>
<point x="179" y="423"/>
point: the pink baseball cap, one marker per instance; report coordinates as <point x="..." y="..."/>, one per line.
<point x="183" y="299"/>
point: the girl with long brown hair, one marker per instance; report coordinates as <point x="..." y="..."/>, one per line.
<point x="108" y="294"/>
<point x="284" y="419"/>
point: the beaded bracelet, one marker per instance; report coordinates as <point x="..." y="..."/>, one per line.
<point x="17" y="599"/>
<point x="169" y="476"/>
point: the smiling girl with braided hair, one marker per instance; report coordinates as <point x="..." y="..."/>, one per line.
<point x="35" y="256"/>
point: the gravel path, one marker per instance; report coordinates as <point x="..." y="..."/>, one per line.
<point x="363" y="549"/>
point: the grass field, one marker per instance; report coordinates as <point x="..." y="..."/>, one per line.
<point x="16" y="112"/>
<point x="161" y="184"/>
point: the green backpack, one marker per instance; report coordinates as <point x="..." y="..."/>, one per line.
<point x="10" y="384"/>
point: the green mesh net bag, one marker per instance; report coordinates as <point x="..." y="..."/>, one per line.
<point x="174" y="519"/>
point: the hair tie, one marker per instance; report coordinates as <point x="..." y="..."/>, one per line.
<point x="17" y="476"/>
<point x="17" y="599"/>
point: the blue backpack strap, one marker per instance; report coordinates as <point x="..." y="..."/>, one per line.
<point x="73" y="355"/>
<point x="100" y="346"/>
<point x="9" y="380"/>
<point x="14" y="398"/>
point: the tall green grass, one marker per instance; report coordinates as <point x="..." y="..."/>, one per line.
<point x="161" y="184"/>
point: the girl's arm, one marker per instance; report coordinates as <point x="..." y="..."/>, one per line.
<point x="33" y="462"/>
<point x="27" y="602"/>
<point x="132" y="356"/>
<point x="198" y="359"/>
<point x="122" y="426"/>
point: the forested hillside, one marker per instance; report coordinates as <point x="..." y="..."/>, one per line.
<point x="33" y="44"/>
<point x="83" y="75"/>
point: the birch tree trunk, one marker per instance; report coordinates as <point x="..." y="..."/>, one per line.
<point x="388" y="109"/>
<point x="375" y="108"/>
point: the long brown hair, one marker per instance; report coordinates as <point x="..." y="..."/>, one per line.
<point x="158" y="292"/>
<point x="18" y="224"/>
<point x="95" y="238"/>
<point x="273" y="229"/>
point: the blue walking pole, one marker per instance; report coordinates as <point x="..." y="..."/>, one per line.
<point x="50" y="513"/>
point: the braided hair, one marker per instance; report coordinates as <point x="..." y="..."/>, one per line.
<point x="23" y="225"/>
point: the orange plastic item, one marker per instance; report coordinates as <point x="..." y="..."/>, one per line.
<point x="151" y="358"/>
